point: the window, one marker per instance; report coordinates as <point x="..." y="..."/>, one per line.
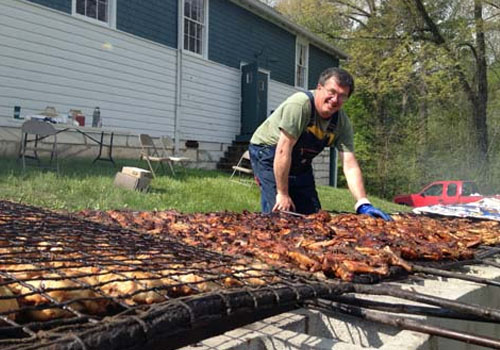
<point x="469" y="189"/>
<point x="195" y="20"/>
<point x="301" y="62"/>
<point x="434" y="190"/>
<point x="452" y="190"/>
<point x="97" y="11"/>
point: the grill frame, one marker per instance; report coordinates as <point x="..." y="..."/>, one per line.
<point x="167" y="324"/>
<point x="37" y="237"/>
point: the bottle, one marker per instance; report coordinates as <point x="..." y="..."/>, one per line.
<point x="80" y="118"/>
<point x="17" y="112"/>
<point x="96" y="118"/>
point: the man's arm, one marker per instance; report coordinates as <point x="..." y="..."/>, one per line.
<point x="281" y="167"/>
<point x="353" y="175"/>
<point x="355" y="183"/>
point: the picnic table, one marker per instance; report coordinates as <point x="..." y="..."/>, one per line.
<point x="105" y="141"/>
<point x="103" y="137"/>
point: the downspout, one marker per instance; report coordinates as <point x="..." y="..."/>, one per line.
<point x="178" y="77"/>
<point x="332" y="179"/>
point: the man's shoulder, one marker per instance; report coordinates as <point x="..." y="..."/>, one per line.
<point x="300" y="97"/>
<point x="342" y="115"/>
<point x="343" y="121"/>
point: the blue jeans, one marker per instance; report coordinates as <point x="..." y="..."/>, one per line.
<point x="301" y="187"/>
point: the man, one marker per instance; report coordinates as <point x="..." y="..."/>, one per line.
<point x="283" y="146"/>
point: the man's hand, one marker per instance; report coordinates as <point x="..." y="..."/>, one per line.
<point x="369" y="209"/>
<point x="283" y="202"/>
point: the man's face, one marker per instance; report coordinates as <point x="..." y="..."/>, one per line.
<point x="330" y="97"/>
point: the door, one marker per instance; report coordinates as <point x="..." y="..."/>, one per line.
<point x="430" y="196"/>
<point x="451" y="194"/>
<point x="261" y="97"/>
<point x="254" y="85"/>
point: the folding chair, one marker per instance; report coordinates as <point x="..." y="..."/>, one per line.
<point x="39" y="130"/>
<point x="168" y="143"/>
<point x="242" y="167"/>
<point x="150" y="153"/>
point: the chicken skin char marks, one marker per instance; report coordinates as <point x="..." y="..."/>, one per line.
<point x="335" y="245"/>
<point x="38" y="288"/>
<point x="54" y="267"/>
<point x="338" y="246"/>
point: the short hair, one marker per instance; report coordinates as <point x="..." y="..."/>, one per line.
<point x="343" y="78"/>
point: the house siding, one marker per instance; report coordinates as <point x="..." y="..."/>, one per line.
<point x="237" y="35"/>
<point x="318" y="61"/>
<point x="51" y="59"/>
<point x="60" y="5"/>
<point x="279" y="92"/>
<point x="154" y="20"/>
<point x="210" y="106"/>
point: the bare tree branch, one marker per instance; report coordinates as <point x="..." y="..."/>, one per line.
<point x="371" y="6"/>
<point x="357" y="20"/>
<point x="471" y="47"/>
<point x="429" y="22"/>
<point x="331" y="36"/>
<point x="492" y="16"/>
<point x="492" y="4"/>
<point x="352" y="6"/>
<point x="439" y="40"/>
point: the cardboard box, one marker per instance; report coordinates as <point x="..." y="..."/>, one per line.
<point x="131" y="182"/>
<point x="136" y="172"/>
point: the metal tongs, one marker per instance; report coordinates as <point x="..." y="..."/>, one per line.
<point x="292" y="213"/>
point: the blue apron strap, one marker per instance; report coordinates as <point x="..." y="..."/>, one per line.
<point x="311" y="99"/>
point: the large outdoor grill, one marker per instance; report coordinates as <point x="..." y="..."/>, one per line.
<point x="78" y="284"/>
<point x="146" y="280"/>
<point x="351" y="247"/>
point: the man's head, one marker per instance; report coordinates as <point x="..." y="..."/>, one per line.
<point x="335" y="85"/>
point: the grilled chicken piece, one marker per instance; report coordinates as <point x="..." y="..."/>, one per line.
<point x="304" y="261"/>
<point x="22" y="271"/>
<point x="315" y="242"/>
<point x="326" y="245"/>
<point x="396" y="260"/>
<point x="320" y="245"/>
<point x="197" y="282"/>
<point x="134" y="287"/>
<point x="254" y="275"/>
<point x="360" y="267"/>
<point x="58" y="291"/>
<point x="7" y="305"/>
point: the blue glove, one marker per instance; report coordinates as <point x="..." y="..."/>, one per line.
<point x="369" y="209"/>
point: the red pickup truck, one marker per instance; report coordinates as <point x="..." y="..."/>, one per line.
<point x="442" y="192"/>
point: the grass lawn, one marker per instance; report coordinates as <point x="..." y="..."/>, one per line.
<point x="82" y="185"/>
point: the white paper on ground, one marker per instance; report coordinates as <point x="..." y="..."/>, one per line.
<point x="486" y="208"/>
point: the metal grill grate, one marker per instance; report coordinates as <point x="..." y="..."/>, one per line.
<point x="67" y="283"/>
<point x="347" y="246"/>
<point x="62" y="275"/>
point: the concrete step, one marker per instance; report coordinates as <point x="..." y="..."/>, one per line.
<point x="232" y="155"/>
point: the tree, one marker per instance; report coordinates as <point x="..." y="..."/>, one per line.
<point x="475" y="87"/>
<point x="415" y="63"/>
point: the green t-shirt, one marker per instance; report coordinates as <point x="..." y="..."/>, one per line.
<point x="293" y="116"/>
